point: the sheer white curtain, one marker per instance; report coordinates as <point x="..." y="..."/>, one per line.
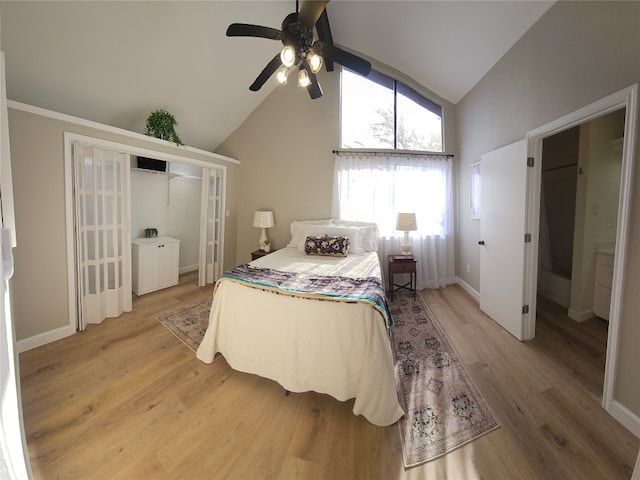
<point x="374" y="187"/>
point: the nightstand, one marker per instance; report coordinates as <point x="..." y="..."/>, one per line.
<point x="259" y="253"/>
<point x="398" y="266"/>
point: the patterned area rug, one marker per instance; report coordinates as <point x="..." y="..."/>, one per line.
<point x="189" y="324"/>
<point x="444" y="407"/>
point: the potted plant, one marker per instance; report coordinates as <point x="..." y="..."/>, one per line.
<point x="161" y="124"/>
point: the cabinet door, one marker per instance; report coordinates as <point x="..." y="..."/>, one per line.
<point x="149" y="268"/>
<point x="169" y="262"/>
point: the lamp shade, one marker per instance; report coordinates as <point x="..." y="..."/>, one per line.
<point x="262" y="219"/>
<point x="406" y="222"/>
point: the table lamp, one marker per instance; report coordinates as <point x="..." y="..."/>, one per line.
<point x="406" y="222"/>
<point x="263" y="220"/>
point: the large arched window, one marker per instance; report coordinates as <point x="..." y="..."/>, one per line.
<point x="379" y="112"/>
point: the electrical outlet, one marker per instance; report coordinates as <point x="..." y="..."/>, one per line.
<point x="468" y="268"/>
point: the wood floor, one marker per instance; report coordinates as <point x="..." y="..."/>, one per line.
<point x="127" y="400"/>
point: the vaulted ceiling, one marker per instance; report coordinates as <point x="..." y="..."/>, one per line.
<point x="114" y="62"/>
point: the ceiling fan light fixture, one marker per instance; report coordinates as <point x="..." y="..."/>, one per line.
<point x="303" y="79"/>
<point x="314" y="61"/>
<point x="288" y="55"/>
<point x="282" y="74"/>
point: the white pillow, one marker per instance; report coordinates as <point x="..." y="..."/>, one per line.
<point x="369" y="234"/>
<point x="297" y="230"/>
<point x="334" y="230"/>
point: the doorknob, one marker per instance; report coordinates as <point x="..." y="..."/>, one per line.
<point x="481" y="242"/>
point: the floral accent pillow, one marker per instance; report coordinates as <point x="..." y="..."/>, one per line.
<point x="327" y="245"/>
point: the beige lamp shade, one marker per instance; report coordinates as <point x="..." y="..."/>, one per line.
<point x="406" y="222"/>
<point x="263" y="219"/>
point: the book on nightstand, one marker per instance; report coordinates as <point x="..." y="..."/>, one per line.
<point x="402" y="258"/>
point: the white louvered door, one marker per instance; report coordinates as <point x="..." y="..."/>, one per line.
<point x="211" y="226"/>
<point x="103" y="280"/>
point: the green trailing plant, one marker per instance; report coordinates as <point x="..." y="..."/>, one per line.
<point x="162" y="124"/>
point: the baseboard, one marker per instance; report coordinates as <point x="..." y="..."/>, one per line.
<point x="187" y="269"/>
<point x="554" y="297"/>
<point x="44" y="338"/>
<point x="468" y="288"/>
<point x="626" y="417"/>
<point x="580" y="316"/>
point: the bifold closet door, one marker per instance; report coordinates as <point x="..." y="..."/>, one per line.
<point x="103" y="258"/>
<point x="211" y="227"/>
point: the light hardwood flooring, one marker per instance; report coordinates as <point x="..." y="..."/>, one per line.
<point x="127" y="400"/>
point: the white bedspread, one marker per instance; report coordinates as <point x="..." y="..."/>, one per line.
<point x="337" y="348"/>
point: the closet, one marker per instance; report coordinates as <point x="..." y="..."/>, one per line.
<point x="111" y="259"/>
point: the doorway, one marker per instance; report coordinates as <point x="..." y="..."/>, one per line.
<point x="580" y="189"/>
<point x="624" y="99"/>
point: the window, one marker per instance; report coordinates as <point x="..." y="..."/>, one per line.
<point x="375" y="188"/>
<point x="382" y="113"/>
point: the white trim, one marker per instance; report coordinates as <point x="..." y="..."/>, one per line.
<point x="119" y="131"/>
<point x="467" y="288"/>
<point x="626" y="417"/>
<point x="626" y="98"/>
<point x="188" y="268"/>
<point x="580" y="316"/>
<point x="44" y="338"/>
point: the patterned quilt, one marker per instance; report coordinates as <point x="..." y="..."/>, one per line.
<point x="316" y="287"/>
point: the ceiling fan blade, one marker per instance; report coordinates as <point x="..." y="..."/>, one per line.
<point x="314" y="87"/>
<point x="310" y="12"/>
<point x="344" y="58"/>
<point x="248" y="30"/>
<point x="269" y="70"/>
<point x="324" y="35"/>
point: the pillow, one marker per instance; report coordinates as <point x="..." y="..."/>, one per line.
<point x="369" y="233"/>
<point x="298" y="230"/>
<point x="333" y="231"/>
<point x="327" y="245"/>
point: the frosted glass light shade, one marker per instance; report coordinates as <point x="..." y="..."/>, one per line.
<point x="281" y="74"/>
<point x="288" y="55"/>
<point x="315" y="61"/>
<point x="303" y="79"/>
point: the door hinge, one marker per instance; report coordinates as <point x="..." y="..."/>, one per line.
<point x="529" y="161"/>
<point x="527" y="238"/>
<point x="525" y="309"/>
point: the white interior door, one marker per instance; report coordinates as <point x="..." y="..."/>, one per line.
<point x="502" y="235"/>
<point x="103" y="252"/>
<point x="211" y="226"/>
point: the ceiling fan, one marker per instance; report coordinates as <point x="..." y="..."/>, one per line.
<point x="299" y="48"/>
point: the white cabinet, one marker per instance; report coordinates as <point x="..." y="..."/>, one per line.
<point x="154" y="263"/>
<point x="604" y="279"/>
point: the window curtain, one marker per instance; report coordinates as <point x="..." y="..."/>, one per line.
<point x="375" y="186"/>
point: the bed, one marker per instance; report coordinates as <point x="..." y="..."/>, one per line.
<point x="310" y="322"/>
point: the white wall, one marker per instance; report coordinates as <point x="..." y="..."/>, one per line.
<point x="169" y="202"/>
<point x="577" y="53"/>
<point x="39" y="285"/>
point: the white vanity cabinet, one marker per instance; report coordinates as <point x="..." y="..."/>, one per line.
<point x="154" y="263"/>
<point x="604" y="279"/>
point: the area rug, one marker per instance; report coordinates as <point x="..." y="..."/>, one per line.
<point x="444" y="409"/>
<point x="189" y="324"/>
